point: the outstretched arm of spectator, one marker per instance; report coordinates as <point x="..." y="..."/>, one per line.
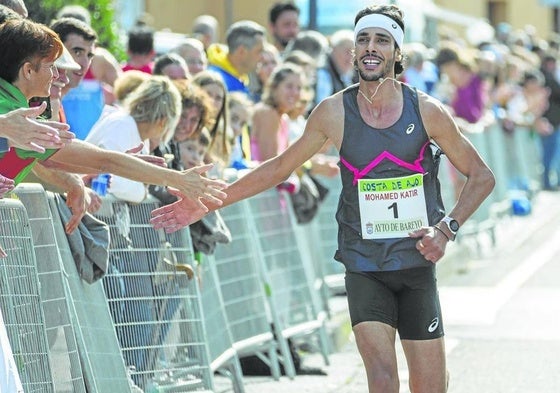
<point x="191" y="183"/>
<point x="73" y="185"/>
<point x="21" y="130"/>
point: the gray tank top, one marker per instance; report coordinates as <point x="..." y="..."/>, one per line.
<point x="400" y="150"/>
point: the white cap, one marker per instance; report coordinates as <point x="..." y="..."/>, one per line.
<point x="66" y="61"/>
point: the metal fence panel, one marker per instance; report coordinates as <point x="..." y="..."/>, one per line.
<point x="243" y="290"/>
<point x="154" y="302"/>
<point x="289" y="275"/>
<point x="100" y="353"/>
<point x="223" y="356"/>
<point x="63" y="351"/>
<point x="20" y="299"/>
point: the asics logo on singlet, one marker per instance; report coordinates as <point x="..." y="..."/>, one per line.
<point x="433" y="325"/>
<point x="409" y="129"/>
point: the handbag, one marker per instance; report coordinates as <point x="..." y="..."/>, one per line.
<point x="307" y="199"/>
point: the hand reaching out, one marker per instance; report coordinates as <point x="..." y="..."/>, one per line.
<point x="24" y="132"/>
<point x="177" y="215"/>
<point x="197" y="187"/>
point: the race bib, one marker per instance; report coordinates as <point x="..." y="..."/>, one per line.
<point x="391" y="208"/>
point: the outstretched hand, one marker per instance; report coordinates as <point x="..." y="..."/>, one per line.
<point x="77" y="202"/>
<point x="23" y="131"/>
<point x="197" y="187"/>
<point x="431" y="243"/>
<point x="179" y="214"/>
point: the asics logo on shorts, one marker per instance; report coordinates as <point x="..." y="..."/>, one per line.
<point x="433" y="325"/>
<point x="409" y="129"/>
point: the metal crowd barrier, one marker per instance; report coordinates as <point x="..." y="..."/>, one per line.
<point x="155" y="302"/>
<point x="514" y="157"/>
<point x="63" y="351"/>
<point x="325" y="227"/>
<point x="288" y="273"/>
<point x="244" y="292"/>
<point x="100" y="353"/>
<point x="20" y="300"/>
<point x="223" y="357"/>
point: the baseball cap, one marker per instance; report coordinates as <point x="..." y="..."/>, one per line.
<point x="66" y="61"/>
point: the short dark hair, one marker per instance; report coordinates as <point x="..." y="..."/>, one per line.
<point x="278" y="8"/>
<point x="167" y="59"/>
<point x="141" y="39"/>
<point x="21" y="41"/>
<point x="66" y="26"/>
<point x="390" y="11"/>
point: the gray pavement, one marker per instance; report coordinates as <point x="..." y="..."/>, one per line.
<point x="500" y="304"/>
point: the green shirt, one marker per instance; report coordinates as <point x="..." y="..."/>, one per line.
<point x="17" y="163"/>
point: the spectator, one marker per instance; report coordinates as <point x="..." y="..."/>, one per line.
<point x="127" y="83"/>
<point x="469" y="92"/>
<point x="470" y="96"/>
<point x="270" y="123"/>
<point x="527" y="106"/>
<point x="205" y="29"/>
<point x="313" y="44"/>
<point x="64" y="63"/>
<point x="171" y="65"/>
<point x="140" y="49"/>
<point x="17" y="35"/>
<point x="413" y="74"/>
<point x="550" y="143"/>
<point x="192" y="51"/>
<point x="104" y="68"/>
<point x="338" y="70"/>
<point x="270" y="58"/>
<point x="283" y="19"/>
<point x="245" y="41"/>
<point x="150" y="113"/>
<point x="240" y="109"/>
<point x="195" y="115"/>
<point x="220" y="135"/>
<point x="82" y="106"/>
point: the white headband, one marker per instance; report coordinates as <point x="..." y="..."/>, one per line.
<point x="383" y="22"/>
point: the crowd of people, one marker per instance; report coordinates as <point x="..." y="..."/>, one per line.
<point x="209" y="106"/>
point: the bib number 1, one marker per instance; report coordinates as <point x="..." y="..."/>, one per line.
<point x="391" y="208"/>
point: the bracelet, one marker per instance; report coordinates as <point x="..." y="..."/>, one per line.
<point x="444" y="234"/>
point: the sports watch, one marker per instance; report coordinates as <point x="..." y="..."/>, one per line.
<point x="452" y="225"/>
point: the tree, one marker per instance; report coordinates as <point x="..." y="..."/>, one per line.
<point x="102" y="19"/>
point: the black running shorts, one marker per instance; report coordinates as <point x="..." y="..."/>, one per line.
<point x="407" y="300"/>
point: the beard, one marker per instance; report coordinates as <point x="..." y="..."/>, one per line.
<point x="372" y="77"/>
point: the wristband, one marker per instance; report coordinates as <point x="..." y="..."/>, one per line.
<point x="444" y="234"/>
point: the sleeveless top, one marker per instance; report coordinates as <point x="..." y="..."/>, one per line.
<point x="283" y="139"/>
<point x="402" y="149"/>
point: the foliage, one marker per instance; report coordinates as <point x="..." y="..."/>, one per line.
<point x="102" y="19"/>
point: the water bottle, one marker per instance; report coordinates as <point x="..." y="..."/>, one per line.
<point x="99" y="184"/>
